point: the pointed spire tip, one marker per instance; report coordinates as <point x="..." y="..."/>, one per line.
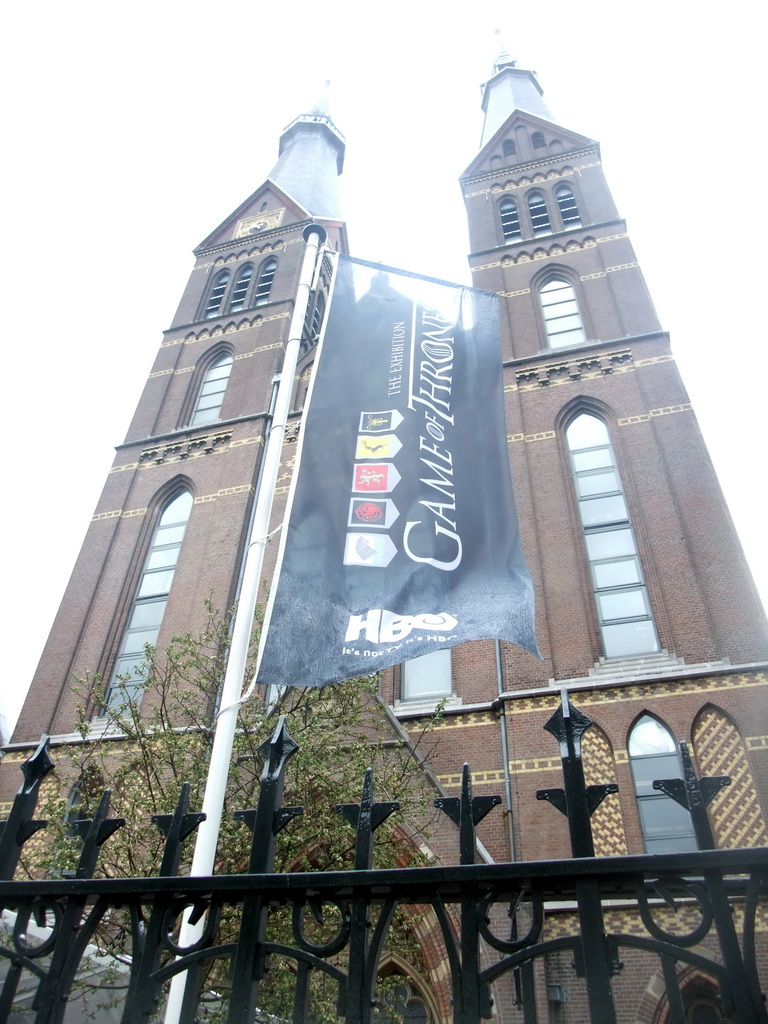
<point x="504" y="58"/>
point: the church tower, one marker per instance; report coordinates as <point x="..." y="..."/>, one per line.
<point x="172" y="522"/>
<point x="646" y="612"/>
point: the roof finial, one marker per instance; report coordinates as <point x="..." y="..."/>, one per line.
<point x="323" y="105"/>
<point x="504" y="58"/>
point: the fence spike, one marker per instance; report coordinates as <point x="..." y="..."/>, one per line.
<point x="94" y="832"/>
<point x="176" y="828"/>
<point x="466" y="812"/>
<point x="365" y="818"/>
<point x="20" y="824"/>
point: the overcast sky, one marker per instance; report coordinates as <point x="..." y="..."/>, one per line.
<point x="132" y="130"/>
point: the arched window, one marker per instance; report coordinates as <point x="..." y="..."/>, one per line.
<point x="569" y="210"/>
<point x="211" y="396"/>
<point x="653" y="755"/>
<point x="317" y="316"/>
<point x="313" y="321"/>
<point x="400" y="1002"/>
<point x="510" y="220"/>
<point x="149" y="603"/>
<point x="537" y="208"/>
<point x="216" y="296"/>
<point x="538" y="140"/>
<point x="508" y="147"/>
<point x="621" y="597"/>
<point x="264" y="285"/>
<point x="562" y="319"/>
<point x="240" y="290"/>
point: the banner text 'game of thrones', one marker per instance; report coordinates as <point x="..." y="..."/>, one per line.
<point x="401" y="536"/>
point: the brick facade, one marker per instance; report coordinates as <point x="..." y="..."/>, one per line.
<point x="708" y="682"/>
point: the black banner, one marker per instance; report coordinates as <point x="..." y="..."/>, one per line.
<point x="402" y="536"/>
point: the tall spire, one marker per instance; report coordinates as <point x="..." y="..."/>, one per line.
<point x="311" y="160"/>
<point x="504" y="58"/>
<point x="511" y="88"/>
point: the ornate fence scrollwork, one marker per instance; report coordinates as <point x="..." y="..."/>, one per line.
<point x="491" y="918"/>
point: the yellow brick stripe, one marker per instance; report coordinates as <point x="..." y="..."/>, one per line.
<point x="469" y="721"/>
<point x="526" y="182"/>
<point x="189" y="369"/>
<point x="628" y="921"/>
<point x="262" y="348"/>
<point x="609" y="270"/>
<point x="273" y="248"/>
<point x="224" y="492"/>
<point x="557" y="250"/>
<point x="119" y="513"/>
<point x="246" y="440"/>
<point x="479" y="778"/>
<point x="545" y="435"/>
<point x="206" y="334"/>
<point x="526" y="766"/>
<point x="705" y="686"/>
<point x="202" y="499"/>
<point x="645" y="417"/>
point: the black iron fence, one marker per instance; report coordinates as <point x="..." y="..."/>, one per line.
<point x="696" y="911"/>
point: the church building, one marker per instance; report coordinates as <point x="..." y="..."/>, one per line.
<point x="646" y="613"/>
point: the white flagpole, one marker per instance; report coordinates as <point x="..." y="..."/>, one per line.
<point x="226" y="722"/>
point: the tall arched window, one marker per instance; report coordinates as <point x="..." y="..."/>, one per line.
<point x="621" y="597"/>
<point x="264" y="284"/>
<point x="211" y="395"/>
<point x="537" y="208"/>
<point x="562" y="319"/>
<point x="317" y="316"/>
<point x="313" y="321"/>
<point x="150" y="601"/>
<point x="216" y="296"/>
<point x="510" y="220"/>
<point x="569" y="210"/>
<point x="508" y="147"/>
<point x="240" y="290"/>
<point x="666" y="826"/>
<point x="538" y="140"/>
